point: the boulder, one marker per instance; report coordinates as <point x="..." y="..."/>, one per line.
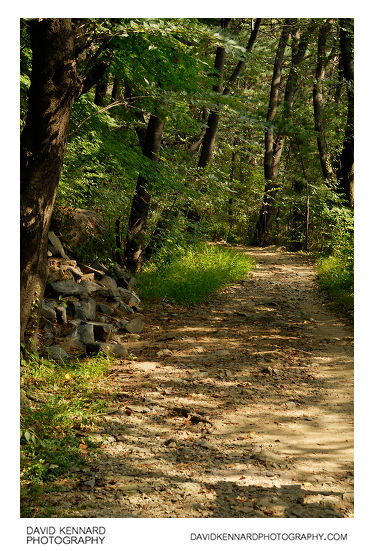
<point x="78" y="312"/>
<point x="118" y="350"/>
<point x="105" y="292"/>
<point x="68" y="287"/>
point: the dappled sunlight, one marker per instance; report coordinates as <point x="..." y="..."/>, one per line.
<point x="221" y="413"/>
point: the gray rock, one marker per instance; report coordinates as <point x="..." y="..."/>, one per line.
<point x="88" y="306"/>
<point x="91" y="286"/>
<point x="83" y="333"/>
<point x="129" y="297"/>
<point x="55" y="245"/>
<point x="108" y="282"/>
<point x="61" y="313"/>
<point x="78" y="312"/>
<point x="88" y="277"/>
<point x="101" y="331"/>
<point x="48" y="311"/>
<point x="57" y="353"/>
<point x="68" y="287"/>
<point x="117" y="350"/>
<point x="124" y="308"/>
<point x="105" y="309"/>
<point x="105" y="292"/>
<point x="135" y="325"/>
<point x="75" y="271"/>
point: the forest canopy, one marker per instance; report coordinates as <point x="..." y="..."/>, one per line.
<point x="174" y="130"/>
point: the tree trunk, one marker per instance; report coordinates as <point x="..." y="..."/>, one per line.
<point x="212" y="124"/>
<point x="274" y="146"/>
<point x="140" y="206"/>
<point x="269" y="193"/>
<point x="101" y="91"/>
<point x="43" y="144"/>
<point x="324" y="156"/>
<point x="115" y="89"/>
<point x="346" y="170"/>
<point x="55" y="85"/>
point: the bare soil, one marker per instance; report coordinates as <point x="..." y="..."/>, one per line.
<point x="241" y="407"/>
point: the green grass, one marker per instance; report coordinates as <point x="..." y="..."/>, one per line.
<point x="63" y="405"/>
<point x="193" y="274"/>
<point x="336" y="277"/>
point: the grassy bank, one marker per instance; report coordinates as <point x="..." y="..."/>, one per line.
<point x="336" y="277"/>
<point x="61" y="404"/>
<point x="191" y="276"/>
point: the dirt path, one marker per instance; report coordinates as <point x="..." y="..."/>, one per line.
<point x="242" y="407"/>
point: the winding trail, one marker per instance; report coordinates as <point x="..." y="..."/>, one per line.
<point x="241" y="407"/>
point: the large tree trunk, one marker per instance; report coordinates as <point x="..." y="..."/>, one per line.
<point x="43" y="144"/>
<point x="140" y="206"/>
<point x="324" y="156"/>
<point x="346" y="170"/>
<point x="55" y="85"/>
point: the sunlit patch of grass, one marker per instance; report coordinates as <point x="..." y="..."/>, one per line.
<point x="194" y="274"/>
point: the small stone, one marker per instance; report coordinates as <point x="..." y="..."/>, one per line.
<point x="55" y="245"/>
<point x="164" y="352"/>
<point x="135" y="325"/>
<point x="57" y="353"/>
<point x="105" y="309"/>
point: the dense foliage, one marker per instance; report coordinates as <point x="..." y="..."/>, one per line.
<point x="168" y="68"/>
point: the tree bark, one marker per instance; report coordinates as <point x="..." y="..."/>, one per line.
<point x="55" y="85"/>
<point x="319" y="126"/>
<point x="140" y="205"/>
<point x="43" y="144"/>
<point x="346" y="170"/>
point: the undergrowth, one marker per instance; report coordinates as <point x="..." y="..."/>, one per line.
<point x="336" y="277"/>
<point x="193" y="274"/>
<point x="60" y="405"/>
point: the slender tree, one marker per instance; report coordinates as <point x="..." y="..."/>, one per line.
<point x="274" y="143"/>
<point x="346" y="169"/>
<point x="319" y="124"/>
<point x="140" y="205"/>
